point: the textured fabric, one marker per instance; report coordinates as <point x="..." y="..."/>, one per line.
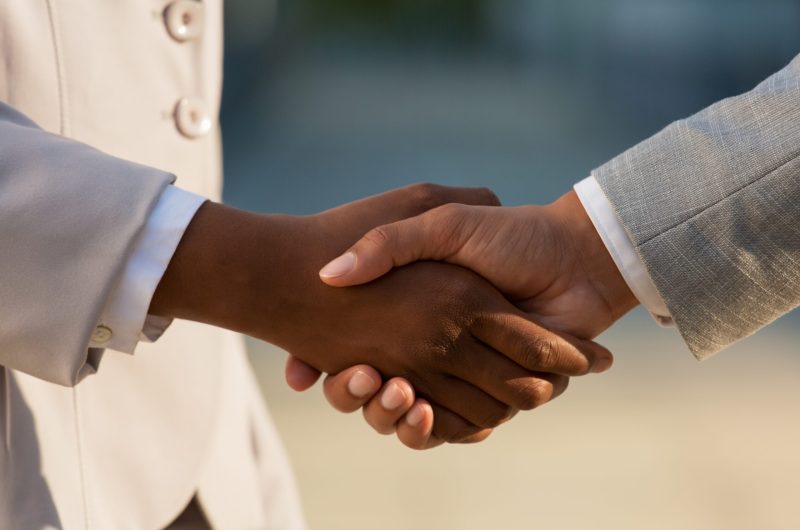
<point x="125" y="312"/>
<point x="621" y="249"/>
<point x="129" y="446"/>
<point x="711" y="204"/>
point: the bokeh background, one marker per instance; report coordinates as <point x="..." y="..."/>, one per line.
<point x="327" y="101"/>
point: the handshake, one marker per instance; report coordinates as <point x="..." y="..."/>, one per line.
<point x="467" y="310"/>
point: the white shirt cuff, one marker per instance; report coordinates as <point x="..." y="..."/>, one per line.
<point x="622" y="250"/>
<point x="124" y="321"/>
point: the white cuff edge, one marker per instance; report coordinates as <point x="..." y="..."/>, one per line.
<point x="622" y="250"/>
<point x="124" y="321"/>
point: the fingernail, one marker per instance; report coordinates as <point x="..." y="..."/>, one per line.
<point x="415" y="416"/>
<point x="360" y="385"/>
<point x="392" y="397"/>
<point x="602" y="365"/>
<point x="340" y="266"/>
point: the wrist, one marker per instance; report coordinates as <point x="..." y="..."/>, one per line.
<point x="594" y="258"/>
<point x="233" y="269"/>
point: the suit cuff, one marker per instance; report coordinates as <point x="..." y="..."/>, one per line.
<point x="124" y="321"/>
<point x="620" y="246"/>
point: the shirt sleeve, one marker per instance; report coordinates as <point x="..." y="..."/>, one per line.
<point x="621" y="248"/>
<point x="124" y="321"/>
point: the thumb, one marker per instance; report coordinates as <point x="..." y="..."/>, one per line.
<point x="299" y="375"/>
<point x="386" y="247"/>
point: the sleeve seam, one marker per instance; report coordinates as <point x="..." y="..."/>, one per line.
<point x="755" y="181"/>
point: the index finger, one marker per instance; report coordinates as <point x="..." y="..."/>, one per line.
<point x="537" y="349"/>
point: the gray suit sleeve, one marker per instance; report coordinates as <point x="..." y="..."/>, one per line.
<point x="69" y="216"/>
<point x="712" y="204"/>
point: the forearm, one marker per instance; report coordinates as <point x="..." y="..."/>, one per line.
<point x="257" y="274"/>
<point x="233" y="269"/>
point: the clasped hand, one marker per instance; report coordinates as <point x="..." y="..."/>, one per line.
<point x="461" y="356"/>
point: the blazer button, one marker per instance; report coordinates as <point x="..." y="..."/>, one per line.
<point x="192" y="118"/>
<point x="101" y="334"/>
<point x="185" y="19"/>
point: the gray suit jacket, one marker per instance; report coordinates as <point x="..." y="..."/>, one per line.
<point x="712" y="204"/>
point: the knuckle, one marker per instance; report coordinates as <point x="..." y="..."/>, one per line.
<point x="416" y="445"/>
<point x="384" y="431"/>
<point x="547" y="353"/>
<point x="462" y="433"/>
<point x="547" y="350"/>
<point x="456" y="433"/>
<point x="379" y="236"/>
<point x="451" y="209"/>
<point x="378" y="424"/>
<point x="537" y="353"/>
<point x="496" y="415"/>
<point x="426" y="196"/>
<point x="442" y="355"/>
<point x="488" y="197"/>
<point x="563" y="357"/>
<point x="476" y="438"/>
<point x="343" y="406"/>
<point x="449" y="215"/>
<point x="533" y="393"/>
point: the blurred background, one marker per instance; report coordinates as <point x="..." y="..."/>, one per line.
<point x="327" y="101"/>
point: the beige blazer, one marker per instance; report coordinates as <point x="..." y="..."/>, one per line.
<point x="105" y="440"/>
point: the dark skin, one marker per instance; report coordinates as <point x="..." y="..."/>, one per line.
<point x="550" y="260"/>
<point x="476" y="357"/>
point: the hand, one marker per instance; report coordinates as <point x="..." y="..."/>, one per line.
<point x="442" y="327"/>
<point x="549" y="260"/>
